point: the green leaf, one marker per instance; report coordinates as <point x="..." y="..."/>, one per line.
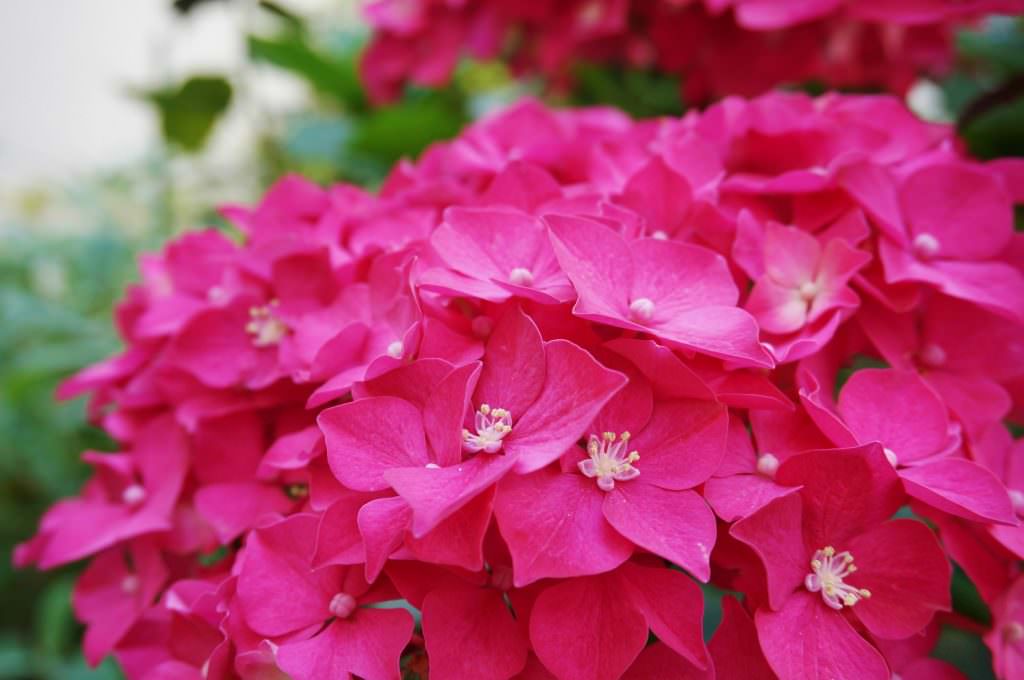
<point x="998" y="132"/>
<point x="189" y="112"/>
<point x="406" y="128"/>
<point x="337" y="78"/>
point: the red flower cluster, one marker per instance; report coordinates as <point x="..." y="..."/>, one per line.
<point x="721" y="47"/>
<point x="499" y="419"/>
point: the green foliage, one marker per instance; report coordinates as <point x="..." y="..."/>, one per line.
<point x="189" y="111"/>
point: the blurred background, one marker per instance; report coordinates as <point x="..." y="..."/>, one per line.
<point x="125" y="121"/>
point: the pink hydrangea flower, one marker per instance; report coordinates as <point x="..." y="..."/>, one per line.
<point x="496" y="419"/>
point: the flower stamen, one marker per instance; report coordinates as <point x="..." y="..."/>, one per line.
<point x="829" y="570"/>
<point x="264" y="326"/>
<point x="608" y="461"/>
<point x="492" y="425"/>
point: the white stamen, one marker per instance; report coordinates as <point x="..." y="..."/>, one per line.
<point x="133" y="494"/>
<point x="926" y="246"/>
<point x="767" y="465"/>
<point x="130" y="584"/>
<point x="608" y="461"/>
<point x="432" y="466"/>
<point x="933" y="355"/>
<point x="660" y="235"/>
<point x="395" y="349"/>
<point x="342" y="605"/>
<point x="492" y="425"/>
<point x="641" y="309"/>
<point x="264" y="326"/>
<point x="521" y="276"/>
<point x="809" y="290"/>
<point x="891" y="456"/>
<point x="1017" y="499"/>
<point x="829" y="570"/>
<point x="482" y="326"/>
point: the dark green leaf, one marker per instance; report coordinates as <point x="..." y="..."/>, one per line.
<point x="189" y="112"/>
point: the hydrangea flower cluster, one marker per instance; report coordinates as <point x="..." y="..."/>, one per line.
<point x="499" y="419"/>
<point x="722" y="47"/>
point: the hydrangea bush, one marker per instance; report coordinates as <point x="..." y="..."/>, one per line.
<point x="722" y="47"/>
<point x="499" y="419"/>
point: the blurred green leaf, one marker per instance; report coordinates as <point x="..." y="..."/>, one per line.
<point x="406" y="128"/>
<point x="966" y="651"/>
<point x="189" y="112"/>
<point x="328" y="75"/>
<point x="997" y="132"/>
<point x="642" y="94"/>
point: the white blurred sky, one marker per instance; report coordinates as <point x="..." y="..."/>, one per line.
<point x="66" y="67"/>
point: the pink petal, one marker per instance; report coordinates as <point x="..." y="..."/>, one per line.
<point x="778" y="309"/>
<point x="597" y="261"/>
<point x="659" y="661"/>
<point x="583" y="629"/>
<point x="236" y="507"/>
<point x="470" y="633"/>
<point x="676" y="525"/>
<point x="673" y="606"/>
<point x="774" y="533"/>
<point x="369" y="436"/>
<point x="514" y="365"/>
<point x="895" y="408"/>
<point x="368" y="644"/>
<point x="791" y="255"/>
<point x="554" y="527"/>
<point x="966" y="209"/>
<point x="382" y="525"/>
<point x="445" y="410"/>
<point x="845" y="492"/>
<point x="277" y="589"/>
<point x="660" y="195"/>
<point x="735" y="648"/>
<point x="435" y="493"/>
<point x="522" y="185"/>
<point x="337" y="539"/>
<point x="960" y="487"/>
<point x="735" y="497"/>
<point x="576" y="388"/>
<point x="724" y="332"/>
<point x="683" y="443"/>
<point x="908" y="574"/>
<point x="669" y="376"/>
<point x="801" y="640"/>
<point x="458" y="540"/>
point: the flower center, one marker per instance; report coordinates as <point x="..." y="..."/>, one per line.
<point x="1017" y="499"/>
<point x="829" y="570"/>
<point x="767" y="465"/>
<point x="264" y="326"/>
<point x="130" y="584"/>
<point x="933" y="355"/>
<point x="342" y="605"/>
<point x="521" y="276"/>
<point x="641" y="309"/>
<point x="926" y="246"/>
<point x="809" y="290"/>
<point x="492" y="425"/>
<point x="133" y="494"/>
<point x="608" y="461"/>
<point x="395" y="349"/>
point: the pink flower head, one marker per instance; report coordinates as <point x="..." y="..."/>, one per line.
<point x="130" y="495"/>
<point x="319" y="619"/>
<point x="677" y="292"/>
<point x="831" y="546"/>
<point x="1006" y="639"/>
<point x="631" y="485"/>
<point x="898" y="410"/>
<point x="497" y="254"/>
<point x="953" y="243"/>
